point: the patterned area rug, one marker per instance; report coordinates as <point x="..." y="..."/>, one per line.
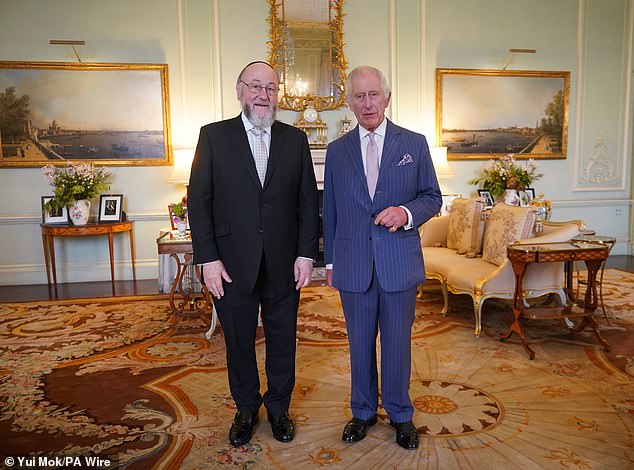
<point x="122" y="379"/>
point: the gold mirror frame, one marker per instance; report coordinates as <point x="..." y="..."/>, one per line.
<point x="338" y="63"/>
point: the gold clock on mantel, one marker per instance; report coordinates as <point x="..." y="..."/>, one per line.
<point x="316" y="130"/>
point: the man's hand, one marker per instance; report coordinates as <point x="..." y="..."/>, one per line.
<point x="213" y="273"/>
<point x="392" y="217"/>
<point x="303" y="272"/>
<point x="329" y="278"/>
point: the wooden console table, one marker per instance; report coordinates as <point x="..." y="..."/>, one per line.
<point x="49" y="232"/>
<point x="521" y="255"/>
<point x="171" y="244"/>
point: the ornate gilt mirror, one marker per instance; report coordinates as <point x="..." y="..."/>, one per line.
<point x="306" y="49"/>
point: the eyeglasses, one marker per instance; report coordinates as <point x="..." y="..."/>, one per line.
<point x="256" y="88"/>
<point x="373" y="95"/>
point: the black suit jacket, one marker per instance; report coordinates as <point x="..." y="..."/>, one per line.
<point x="235" y="220"/>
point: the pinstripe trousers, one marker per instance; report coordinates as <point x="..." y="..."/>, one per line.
<point x="391" y="313"/>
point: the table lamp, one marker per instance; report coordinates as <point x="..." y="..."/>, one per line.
<point x="182" y="166"/>
<point x="441" y="165"/>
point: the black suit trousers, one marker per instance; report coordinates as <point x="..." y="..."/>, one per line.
<point x="238" y="314"/>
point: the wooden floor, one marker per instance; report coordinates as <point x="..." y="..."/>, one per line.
<point x="79" y="290"/>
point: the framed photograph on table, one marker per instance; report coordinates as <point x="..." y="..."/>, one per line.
<point x="110" y="208"/>
<point x="525" y="198"/>
<point x="486" y="197"/>
<point x="531" y="191"/>
<point x="52" y="217"/>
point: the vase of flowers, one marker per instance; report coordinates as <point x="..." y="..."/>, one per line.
<point x="505" y="177"/>
<point x="179" y="216"/>
<point x="74" y="185"/>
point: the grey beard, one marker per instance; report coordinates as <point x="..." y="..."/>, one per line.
<point x="257" y="121"/>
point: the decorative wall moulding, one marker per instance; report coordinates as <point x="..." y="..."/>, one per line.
<point x="600" y="169"/>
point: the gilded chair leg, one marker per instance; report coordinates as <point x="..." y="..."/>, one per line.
<point x="477" y="310"/>
<point x="419" y="292"/>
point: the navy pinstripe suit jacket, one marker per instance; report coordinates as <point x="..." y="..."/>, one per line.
<point x="352" y="243"/>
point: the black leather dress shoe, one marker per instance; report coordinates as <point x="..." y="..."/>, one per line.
<point x="356" y="429"/>
<point x="282" y="427"/>
<point x="242" y="428"/>
<point x="406" y="435"/>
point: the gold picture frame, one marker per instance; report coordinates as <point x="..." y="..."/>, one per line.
<point x="109" y="114"/>
<point x="483" y="114"/>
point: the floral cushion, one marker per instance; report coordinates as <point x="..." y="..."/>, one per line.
<point x="465" y="226"/>
<point x="506" y="225"/>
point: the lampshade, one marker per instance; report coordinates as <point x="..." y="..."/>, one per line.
<point x="182" y="165"/>
<point x="439" y="157"/>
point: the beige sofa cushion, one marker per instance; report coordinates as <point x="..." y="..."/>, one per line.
<point x="465" y="226"/>
<point x="506" y="225"/>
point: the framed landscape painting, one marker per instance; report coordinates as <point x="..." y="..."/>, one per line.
<point x="482" y="114"/>
<point x="112" y="114"/>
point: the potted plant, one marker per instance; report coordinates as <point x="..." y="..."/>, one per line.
<point x="74" y="185"/>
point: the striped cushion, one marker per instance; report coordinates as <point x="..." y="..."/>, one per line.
<point x="465" y="226"/>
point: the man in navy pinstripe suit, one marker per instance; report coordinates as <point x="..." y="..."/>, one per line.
<point x="379" y="187"/>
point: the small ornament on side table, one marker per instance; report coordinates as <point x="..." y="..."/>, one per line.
<point x="346" y="126"/>
<point x="543" y="206"/>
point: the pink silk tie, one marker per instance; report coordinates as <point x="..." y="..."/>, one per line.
<point x="372" y="165"/>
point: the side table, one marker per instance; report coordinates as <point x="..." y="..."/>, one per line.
<point x="521" y="255"/>
<point x="49" y="232"/>
<point x="609" y="242"/>
<point x="201" y="302"/>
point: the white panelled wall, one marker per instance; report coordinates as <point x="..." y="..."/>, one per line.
<point x="206" y="42"/>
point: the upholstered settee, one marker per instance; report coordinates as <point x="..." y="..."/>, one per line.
<point x="466" y="252"/>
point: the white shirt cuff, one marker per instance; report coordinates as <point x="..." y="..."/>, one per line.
<point x="410" y="223"/>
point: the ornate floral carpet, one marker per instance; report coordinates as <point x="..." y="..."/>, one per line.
<point x="123" y="379"/>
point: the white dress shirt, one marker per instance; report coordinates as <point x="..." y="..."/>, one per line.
<point x="379" y="138"/>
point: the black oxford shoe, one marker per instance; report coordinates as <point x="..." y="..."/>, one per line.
<point x="242" y="428"/>
<point x="282" y="427"/>
<point x="356" y="429"/>
<point x="406" y="435"/>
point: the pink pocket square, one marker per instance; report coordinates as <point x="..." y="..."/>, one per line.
<point x="405" y="159"/>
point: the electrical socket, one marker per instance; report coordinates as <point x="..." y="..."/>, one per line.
<point x="619" y="212"/>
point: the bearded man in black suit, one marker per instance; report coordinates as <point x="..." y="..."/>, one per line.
<point x="253" y="211"/>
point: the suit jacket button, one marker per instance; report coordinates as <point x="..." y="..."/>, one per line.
<point x="370" y="238"/>
<point x="372" y="216"/>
